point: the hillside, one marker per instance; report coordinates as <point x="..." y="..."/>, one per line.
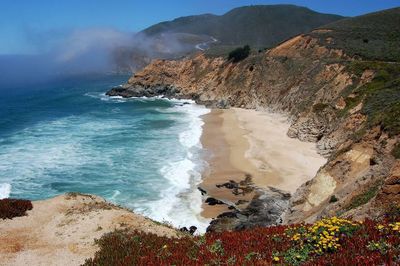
<point x="374" y="36"/>
<point x="346" y="104"/>
<point x="261" y="26"/>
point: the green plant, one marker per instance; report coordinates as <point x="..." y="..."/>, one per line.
<point x="239" y="54"/>
<point x="364" y="198"/>
<point x="251" y="255"/>
<point x="359" y="134"/>
<point x="231" y="261"/>
<point x="380" y="246"/>
<point x="333" y="199"/>
<point x="296" y="256"/>
<point x="217" y="248"/>
<point x="277" y="238"/>
<point x="392" y="213"/>
<point x="319" y="107"/>
<point x="396" y="151"/>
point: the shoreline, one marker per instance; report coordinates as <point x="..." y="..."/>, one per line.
<point x="242" y="143"/>
<point x="221" y="168"/>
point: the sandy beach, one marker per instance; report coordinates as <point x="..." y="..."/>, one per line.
<point x="240" y="143"/>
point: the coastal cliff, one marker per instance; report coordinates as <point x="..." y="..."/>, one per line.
<point x="346" y="103"/>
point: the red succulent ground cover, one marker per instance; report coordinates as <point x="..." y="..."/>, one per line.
<point x="10" y="208"/>
<point x="331" y="241"/>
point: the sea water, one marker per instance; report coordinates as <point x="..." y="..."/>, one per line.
<point x="67" y="135"/>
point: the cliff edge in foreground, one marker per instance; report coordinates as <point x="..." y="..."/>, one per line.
<point x="62" y="230"/>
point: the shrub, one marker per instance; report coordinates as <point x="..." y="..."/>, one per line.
<point x="333" y="199"/>
<point x="319" y="107"/>
<point x="364" y="198"/>
<point x="396" y="151"/>
<point x="239" y="54"/>
<point x="10" y="208"/>
<point x="392" y="213"/>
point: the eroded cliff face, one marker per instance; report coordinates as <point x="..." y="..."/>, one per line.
<point x="316" y="87"/>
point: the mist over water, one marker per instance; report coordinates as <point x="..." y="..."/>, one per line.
<point x="58" y="54"/>
<point x="62" y="53"/>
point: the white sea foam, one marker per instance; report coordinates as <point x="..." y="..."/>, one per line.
<point x="5" y="190"/>
<point x="51" y="156"/>
<point x="103" y="97"/>
<point x="115" y="195"/>
<point x="180" y="203"/>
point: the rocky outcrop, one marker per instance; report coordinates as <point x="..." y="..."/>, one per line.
<point x="146" y="91"/>
<point x="266" y="208"/>
<point x="356" y="182"/>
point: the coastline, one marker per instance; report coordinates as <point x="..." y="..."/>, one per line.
<point x="242" y="143"/>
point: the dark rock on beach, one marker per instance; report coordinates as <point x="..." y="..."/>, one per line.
<point x="191" y="229"/>
<point x="265" y="209"/>
<point x="211" y="201"/>
<point x="202" y="191"/>
<point x="243" y="187"/>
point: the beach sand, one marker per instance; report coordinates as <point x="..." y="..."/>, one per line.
<point x="240" y="142"/>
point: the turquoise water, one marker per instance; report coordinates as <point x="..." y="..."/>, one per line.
<point x="64" y="136"/>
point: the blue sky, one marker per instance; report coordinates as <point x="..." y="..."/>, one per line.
<point x="21" y="21"/>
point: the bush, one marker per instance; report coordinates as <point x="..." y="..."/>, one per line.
<point x="333" y="199"/>
<point x="10" y="208"/>
<point x="396" y="151"/>
<point x="365" y="197"/>
<point x="319" y="107"/>
<point x="239" y="54"/>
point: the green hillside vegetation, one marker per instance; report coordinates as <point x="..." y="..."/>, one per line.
<point x="381" y="96"/>
<point x="239" y="54"/>
<point x="374" y="36"/>
<point x="258" y="26"/>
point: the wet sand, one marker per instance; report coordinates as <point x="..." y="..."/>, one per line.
<point x="240" y="142"/>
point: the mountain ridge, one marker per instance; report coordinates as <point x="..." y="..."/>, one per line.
<point x="233" y="27"/>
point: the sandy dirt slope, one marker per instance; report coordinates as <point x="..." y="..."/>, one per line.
<point x="61" y="230"/>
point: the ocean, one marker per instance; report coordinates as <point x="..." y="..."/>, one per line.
<point x="68" y="136"/>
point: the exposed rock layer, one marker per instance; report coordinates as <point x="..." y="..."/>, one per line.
<point x="264" y="209"/>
